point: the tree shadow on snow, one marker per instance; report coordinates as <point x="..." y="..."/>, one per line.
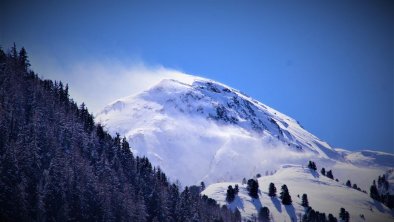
<point x="315" y="174"/>
<point x="237" y="203"/>
<point x="277" y="204"/>
<point x="256" y="203"/>
<point x="378" y="205"/>
<point x="291" y="212"/>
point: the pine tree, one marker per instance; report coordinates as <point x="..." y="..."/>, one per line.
<point x="253" y="188"/>
<point x="14" y="54"/>
<point x="236" y="189"/>
<point x="323" y="171"/>
<point x="272" y="190"/>
<point x="285" y="195"/>
<point x="304" y="201"/>
<point x="344" y="215"/>
<point x="330" y="175"/>
<point x="331" y="218"/>
<point x="264" y="214"/>
<point x="348" y="183"/>
<point x="312" y="165"/>
<point x="202" y="185"/>
<point x="373" y="192"/>
<point x="23" y="59"/>
<point x="230" y="196"/>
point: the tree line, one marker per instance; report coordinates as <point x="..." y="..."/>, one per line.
<point x="56" y="164"/>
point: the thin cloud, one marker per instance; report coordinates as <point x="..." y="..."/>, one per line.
<point x="99" y="83"/>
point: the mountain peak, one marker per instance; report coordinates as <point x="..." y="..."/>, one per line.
<point x="220" y="122"/>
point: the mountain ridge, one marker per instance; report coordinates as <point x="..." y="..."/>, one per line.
<point x="188" y="107"/>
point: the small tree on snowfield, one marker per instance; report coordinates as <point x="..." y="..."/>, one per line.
<point x="236" y="189"/>
<point x="331" y="218"/>
<point x="285" y="195"/>
<point x="329" y="175"/>
<point x="348" y="183"/>
<point x="312" y="165"/>
<point x="264" y="214"/>
<point x="253" y="188"/>
<point x="323" y="171"/>
<point x="230" y="196"/>
<point x="304" y="202"/>
<point x="344" y="215"/>
<point x="272" y="190"/>
<point x="202" y="185"/>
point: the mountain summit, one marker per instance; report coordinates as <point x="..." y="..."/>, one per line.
<point x="199" y="129"/>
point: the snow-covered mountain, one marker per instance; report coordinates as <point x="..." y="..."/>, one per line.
<point x="197" y="129"/>
<point x="324" y="195"/>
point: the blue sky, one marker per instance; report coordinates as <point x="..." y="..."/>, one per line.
<point x="328" y="64"/>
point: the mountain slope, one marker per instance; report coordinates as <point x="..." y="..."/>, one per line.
<point x="195" y="128"/>
<point x="57" y="165"/>
<point x="324" y="195"/>
<point x="368" y="158"/>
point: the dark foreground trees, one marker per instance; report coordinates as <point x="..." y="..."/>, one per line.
<point x="56" y="164"/>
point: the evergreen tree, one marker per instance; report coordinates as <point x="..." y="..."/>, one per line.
<point x="202" y="185"/>
<point x="304" y="201"/>
<point x="230" y="196"/>
<point x="344" y="215"/>
<point x="14" y="54"/>
<point x="312" y="165"/>
<point x="264" y="214"/>
<point x="23" y="59"/>
<point x="253" y="188"/>
<point x="236" y="189"/>
<point x="2" y="54"/>
<point x="373" y="192"/>
<point x="272" y="190"/>
<point x="323" y="171"/>
<point x="348" y="183"/>
<point x="315" y="216"/>
<point x="285" y="195"/>
<point x="237" y="215"/>
<point x="330" y="175"/>
<point x="331" y="218"/>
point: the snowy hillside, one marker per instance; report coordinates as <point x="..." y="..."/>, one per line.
<point x="368" y="157"/>
<point x="324" y="195"/>
<point x="195" y="129"/>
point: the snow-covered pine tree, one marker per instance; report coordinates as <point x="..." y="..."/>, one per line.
<point x="304" y="200"/>
<point x="272" y="190"/>
<point x="285" y="195"/>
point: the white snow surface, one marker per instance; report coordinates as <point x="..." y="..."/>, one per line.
<point x="368" y="157"/>
<point x="324" y="195"/>
<point x="197" y="129"/>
